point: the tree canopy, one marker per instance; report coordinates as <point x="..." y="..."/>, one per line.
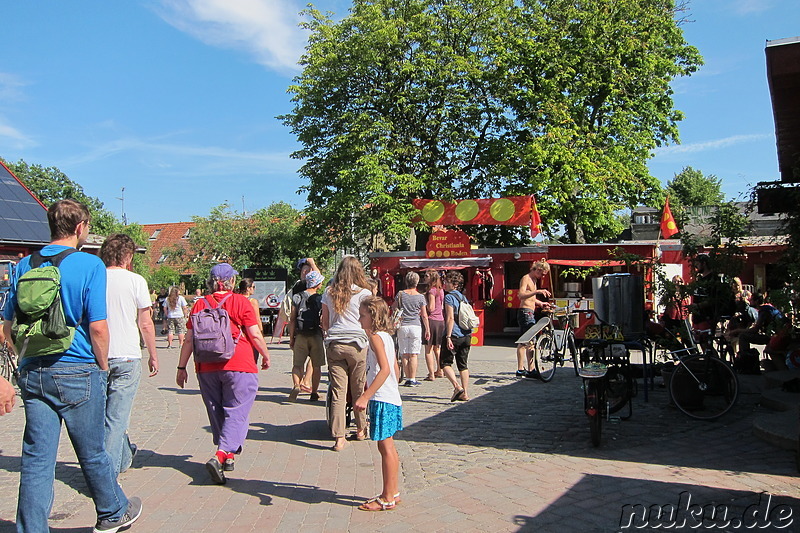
<point x="690" y="187"/>
<point x="273" y="236"/>
<point x="474" y="98"/>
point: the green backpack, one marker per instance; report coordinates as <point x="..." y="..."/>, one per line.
<point x="40" y="327"/>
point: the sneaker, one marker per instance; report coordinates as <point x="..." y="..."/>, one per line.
<point x="229" y="465"/>
<point x="521" y="373"/>
<point x="132" y="514"/>
<point x="532" y="374"/>
<point x="407" y="383"/>
<point x="413" y="383"/>
<point x="215" y="470"/>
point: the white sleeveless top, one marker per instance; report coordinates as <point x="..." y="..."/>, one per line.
<point x="389" y="391"/>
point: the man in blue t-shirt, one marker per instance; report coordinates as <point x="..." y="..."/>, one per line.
<point x="457" y="341"/>
<point x="69" y="386"/>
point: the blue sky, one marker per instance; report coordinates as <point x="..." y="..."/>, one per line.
<point x="175" y="100"/>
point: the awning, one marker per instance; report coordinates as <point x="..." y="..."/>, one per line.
<point x="456" y="263"/>
<point x="586" y="262"/>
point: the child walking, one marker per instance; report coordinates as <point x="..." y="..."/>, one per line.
<point x="381" y="399"/>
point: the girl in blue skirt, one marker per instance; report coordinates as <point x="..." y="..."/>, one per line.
<point x="382" y="398"/>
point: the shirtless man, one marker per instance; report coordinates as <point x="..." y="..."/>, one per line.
<point x="531" y="307"/>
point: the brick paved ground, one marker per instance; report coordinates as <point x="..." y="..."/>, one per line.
<point x="516" y="457"/>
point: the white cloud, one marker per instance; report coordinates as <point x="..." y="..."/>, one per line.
<point x="10" y="87"/>
<point x="16" y="138"/>
<point x="746" y="7"/>
<point x="711" y="145"/>
<point x="266" y="29"/>
<point x="163" y="156"/>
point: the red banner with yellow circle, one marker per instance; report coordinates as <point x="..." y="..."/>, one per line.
<point x="510" y="211"/>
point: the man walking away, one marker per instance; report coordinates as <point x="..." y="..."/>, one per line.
<point x="68" y="385"/>
<point x="128" y="304"/>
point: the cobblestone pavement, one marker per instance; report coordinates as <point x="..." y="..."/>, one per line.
<point x="516" y="457"/>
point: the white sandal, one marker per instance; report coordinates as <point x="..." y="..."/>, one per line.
<point x="384" y="505"/>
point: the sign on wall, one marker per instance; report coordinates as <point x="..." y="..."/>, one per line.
<point x="448" y="243"/>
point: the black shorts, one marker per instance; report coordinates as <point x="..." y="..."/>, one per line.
<point x="460" y="353"/>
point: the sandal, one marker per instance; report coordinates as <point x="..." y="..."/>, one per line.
<point x="383" y="505"/>
<point x="358" y="436"/>
<point x="456" y="395"/>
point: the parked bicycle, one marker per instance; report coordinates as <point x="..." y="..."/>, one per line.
<point x="547" y="349"/>
<point x="702" y="385"/>
<point x="8" y="364"/>
<point x="608" y="383"/>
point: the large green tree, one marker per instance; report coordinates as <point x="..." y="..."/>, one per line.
<point x="414" y="98"/>
<point x="395" y="102"/>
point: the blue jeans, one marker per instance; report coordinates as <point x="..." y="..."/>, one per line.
<point x="123" y="382"/>
<point x="76" y="394"/>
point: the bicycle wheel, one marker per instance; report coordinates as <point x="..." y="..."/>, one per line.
<point x="572" y="348"/>
<point x="5" y="364"/>
<point x="329" y="408"/>
<point x="704" y="387"/>
<point x="618" y="387"/>
<point x="591" y="402"/>
<point x="544" y="358"/>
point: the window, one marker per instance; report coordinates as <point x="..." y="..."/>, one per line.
<point x="162" y="259"/>
<point x="186" y="235"/>
<point x="155" y="234"/>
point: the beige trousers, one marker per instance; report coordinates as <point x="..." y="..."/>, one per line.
<point x="347" y="366"/>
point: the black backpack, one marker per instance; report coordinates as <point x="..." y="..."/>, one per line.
<point x="309" y="310"/>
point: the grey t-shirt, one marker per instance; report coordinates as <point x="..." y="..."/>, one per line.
<point x="411" y="304"/>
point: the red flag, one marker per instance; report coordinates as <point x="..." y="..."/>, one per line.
<point x="668" y="225"/>
<point x="536" y="220"/>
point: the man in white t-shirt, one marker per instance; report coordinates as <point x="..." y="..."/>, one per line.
<point x="129" y="314"/>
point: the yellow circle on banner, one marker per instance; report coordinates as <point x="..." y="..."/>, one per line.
<point x="502" y="209"/>
<point x="431" y="253"/>
<point x="467" y="210"/>
<point x="433" y="211"/>
<point x="671" y="225"/>
<point x="446" y="253"/>
<point x="438" y="253"/>
<point x="473" y="340"/>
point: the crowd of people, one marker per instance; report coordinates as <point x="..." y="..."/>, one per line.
<point x="742" y="318"/>
<point x="90" y="383"/>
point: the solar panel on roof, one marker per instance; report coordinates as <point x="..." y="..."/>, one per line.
<point x="22" y="218"/>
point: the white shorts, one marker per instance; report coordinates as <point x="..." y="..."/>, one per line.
<point x="409" y="340"/>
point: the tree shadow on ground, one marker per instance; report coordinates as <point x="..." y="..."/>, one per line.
<point x="609" y="504"/>
<point x="530" y="416"/>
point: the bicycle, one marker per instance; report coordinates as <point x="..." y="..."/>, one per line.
<point x="702" y="386"/>
<point x="608" y="383"/>
<point x="544" y="347"/>
<point x="8" y="364"/>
